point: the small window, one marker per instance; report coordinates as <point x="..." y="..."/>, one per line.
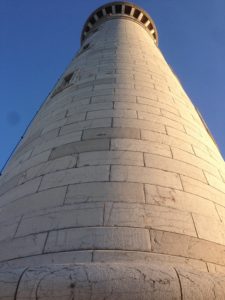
<point x="108" y="10"/>
<point x="85" y="47"/>
<point x="99" y="14"/>
<point x="127" y="10"/>
<point x="67" y="78"/>
<point x="144" y="19"/>
<point x="137" y="13"/>
<point x="64" y="84"/>
<point x="118" y="9"/>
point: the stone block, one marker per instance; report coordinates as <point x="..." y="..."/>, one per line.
<point x="197" y="285"/>
<point x="180" y="200"/>
<point x="7" y="183"/>
<point x="158" y="104"/>
<point x="70" y="257"/>
<point x="125" y="113"/>
<point x="106" y="191"/>
<point x="77" y="126"/>
<point x="9" y="282"/>
<point x="185" y="137"/>
<point x="173" y="165"/>
<point x="153" y="109"/>
<point x="148" y="216"/>
<point x="166" y="140"/>
<point x="98" y="238"/>
<point x="140" y="146"/>
<point x="79" y="215"/>
<point x="36" y="201"/>
<point x="98" y="281"/>
<point x="111" y="157"/>
<point x="219" y="184"/>
<point x="79" y="147"/>
<point x="78" y="175"/>
<point x="201" y="189"/>
<point x="210" y="229"/>
<point x="76" y="117"/>
<point x="8" y="227"/>
<point x="58" y="141"/>
<point x="195" y="161"/>
<point x="51" y="166"/>
<point x="20" y="191"/>
<point x="145" y="175"/>
<point x="186" y="246"/>
<point x="101" y="133"/>
<point x="21" y="247"/>
<point x="148" y="258"/>
<point x="216" y="269"/>
<point x="161" y="120"/>
<point x="140" y="124"/>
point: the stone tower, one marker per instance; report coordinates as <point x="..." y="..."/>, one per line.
<point x="117" y="190"/>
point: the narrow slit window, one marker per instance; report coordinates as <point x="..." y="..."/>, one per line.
<point x="65" y="83"/>
<point x="127" y="10"/>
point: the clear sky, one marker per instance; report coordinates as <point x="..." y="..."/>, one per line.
<point x="39" y="38"/>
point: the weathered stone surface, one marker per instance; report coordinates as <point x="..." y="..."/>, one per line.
<point x="101" y="133"/>
<point x="186" y="246"/>
<point x="9" y="279"/>
<point x="161" y="138"/>
<point x="215" y="232"/>
<point x="140" y="124"/>
<point x="111" y="157"/>
<point x="20" y="191"/>
<point x="77" y="126"/>
<point x="106" y="191"/>
<point x="148" y="216"/>
<point x="117" y="172"/>
<point x="78" y="175"/>
<point x="98" y="281"/>
<point x="98" y="238"/>
<point x="78" y="147"/>
<point x="173" y="165"/>
<point x="197" y="285"/>
<point x="148" y="258"/>
<point x="141" y="146"/>
<point x="80" y="215"/>
<point x="20" y="247"/>
<point x="36" y="201"/>
<point x="58" y="141"/>
<point x="145" y="175"/>
<point x="181" y="200"/>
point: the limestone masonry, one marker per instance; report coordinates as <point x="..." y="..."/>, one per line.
<point x="117" y="190"/>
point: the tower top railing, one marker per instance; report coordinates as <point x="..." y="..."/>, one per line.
<point x="119" y="9"/>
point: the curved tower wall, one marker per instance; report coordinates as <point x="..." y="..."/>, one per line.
<point x="117" y="167"/>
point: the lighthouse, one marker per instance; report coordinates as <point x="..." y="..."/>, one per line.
<point x="117" y="190"/>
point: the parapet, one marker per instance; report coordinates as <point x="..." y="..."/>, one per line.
<point x="119" y="9"/>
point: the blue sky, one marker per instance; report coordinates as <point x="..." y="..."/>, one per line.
<point x="39" y="38"/>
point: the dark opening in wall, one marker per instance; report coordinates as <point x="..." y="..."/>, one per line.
<point x="92" y="21"/>
<point x="144" y="19"/>
<point x="127" y="10"/>
<point x="118" y="9"/>
<point x="136" y="13"/>
<point x="108" y="10"/>
<point x="85" y="47"/>
<point x="68" y="78"/>
<point x="150" y="26"/>
<point x="64" y="84"/>
<point x="99" y="14"/>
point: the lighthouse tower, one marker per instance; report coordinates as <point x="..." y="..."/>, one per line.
<point x="117" y="190"/>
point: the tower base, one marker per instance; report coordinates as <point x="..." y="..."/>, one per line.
<point x="109" y="281"/>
